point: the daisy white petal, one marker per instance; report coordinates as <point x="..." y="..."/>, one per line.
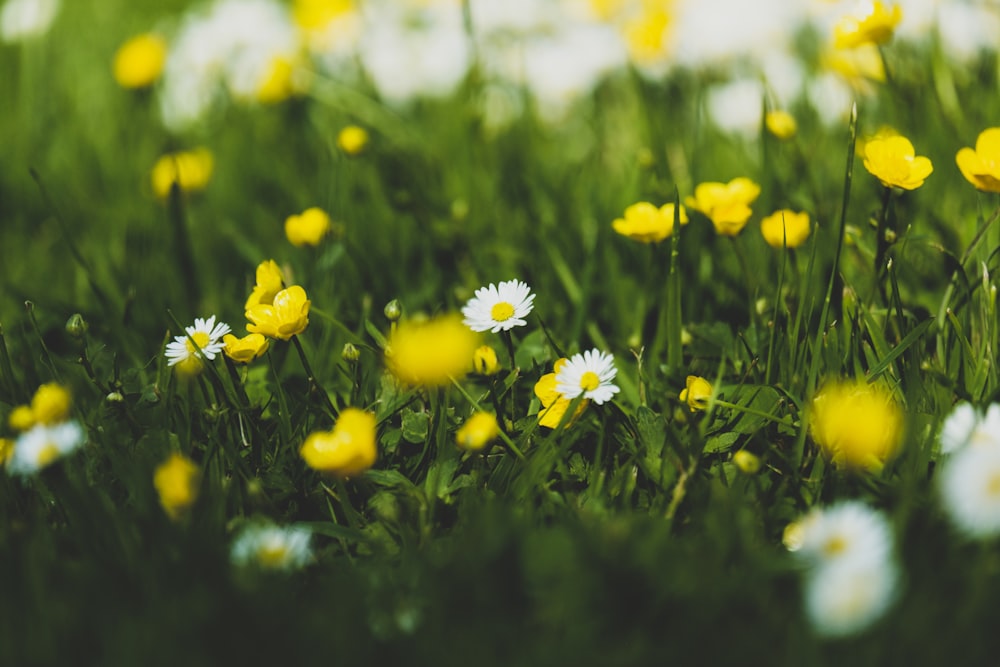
<point x="589" y="375"/>
<point x="849" y="531"/>
<point x="42" y="445"/>
<point x="206" y="333"/>
<point x="846" y="598"/>
<point x="272" y="547"/>
<point x="969" y="486"/>
<point x="499" y="307"/>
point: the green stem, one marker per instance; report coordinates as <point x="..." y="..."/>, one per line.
<point x="314" y="386"/>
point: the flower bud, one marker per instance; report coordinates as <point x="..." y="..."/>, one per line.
<point x="350" y="353"/>
<point x="76" y="326"/>
<point x="749" y="464"/>
<point x="393" y="311"/>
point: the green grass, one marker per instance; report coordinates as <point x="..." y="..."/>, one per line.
<point x="625" y="538"/>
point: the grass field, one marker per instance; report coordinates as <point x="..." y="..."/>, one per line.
<point x="784" y="449"/>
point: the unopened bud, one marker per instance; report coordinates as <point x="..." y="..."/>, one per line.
<point x="350" y="353"/>
<point x="76" y="326"/>
<point x="393" y="311"/>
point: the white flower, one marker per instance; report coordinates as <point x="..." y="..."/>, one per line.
<point x="23" y="19"/>
<point x="42" y="445"/>
<point x="589" y="374"/>
<point x="965" y="426"/>
<point x="499" y="307"/>
<point x="970" y="491"/>
<point x="845" y="598"/>
<point x="847" y="532"/>
<point x="272" y="547"/>
<point x="206" y="333"/>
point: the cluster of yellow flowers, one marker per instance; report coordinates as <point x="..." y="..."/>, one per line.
<point x="46" y="431"/>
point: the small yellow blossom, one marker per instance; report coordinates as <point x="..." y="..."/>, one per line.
<point x="647" y="35"/>
<point x="190" y="170"/>
<point x="6" y="450"/>
<point x="781" y="124"/>
<point x="646" y="223"/>
<point x="727" y="205"/>
<point x="176" y="482"/>
<point x="696" y="393"/>
<point x="139" y="61"/>
<point x="554" y="404"/>
<point x="246" y="349"/>
<point x="21" y="418"/>
<point x="478" y="431"/>
<point x="858" y="424"/>
<point x="348" y="450"/>
<point x="50" y="404"/>
<point x="748" y="463"/>
<point x="317" y="14"/>
<point x="786" y="228"/>
<point x="484" y="360"/>
<point x="858" y="67"/>
<point x="352" y="139"/>
<point x="981" y="166"/>
<point x="270" y="281"/>
<point x="285" y="317"/>
<point x="307" y="228"/>
<point x="432" y="352"/>
<point x="893" y="162"/>
<point x="873" y="24"/>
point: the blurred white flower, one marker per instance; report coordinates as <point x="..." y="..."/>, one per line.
<point x="967" y="30"/>
<point x="737" y="106"/>
<point x="969" y="485"/>
<point x="24" y="19"/>
<point x="847" y="532"/>
<point x="272" y="547"/>
<point x="42" y="445"/>
<point x="966" y="426"/>
<point x="846" y="598"/>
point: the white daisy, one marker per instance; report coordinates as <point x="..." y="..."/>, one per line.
<point x="588" y="374"/>
<point x="24" y="19"/>
<point x="42" y="445"/>
<point x="847" y="532"/>
<point x="970" y="491"/>
<point x="846" y="598"/>
<point x="499" y="307"/>
<point x="206" y="333"/>
<point x="965" y="426"/>
<point x="272" y="547"/>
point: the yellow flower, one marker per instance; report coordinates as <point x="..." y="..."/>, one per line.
<point x="246" y="349"/>
<point x="646" y="223"/>
<point x="348" y="450"/>
<point x="484" y="360"/>
<point x="307" y="228"/>
<point x="285" y="317"/>
<point x="554" y="404"/>
<point x="432" y="352"/>
<point x="191" y="170"/>
<point x="858" y="67"/>
<point x="176" y="482"/>
<point x="139" y="61"/>
<point x="781" y="124"/>
<point x="478" y="431"/>
<point x="893" y="162"/>
<point x="696" y="393"/>
<point x="352" y="139"/>
<point x="21" y="418"/>
<point x="874" y="24"/>
<point x="270" y="281"/>
<point x="749" y="464"/>
<point x="647" y="35"/>
<point x="50" y="404"/>
<point x="6" y="450"/>
<point x="785" y="228"/>
<point x="858" y="424"/>
<point x="981" y="166"/>
<point x="727" y="205"/>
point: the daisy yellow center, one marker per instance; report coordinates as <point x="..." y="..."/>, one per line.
<point x="47" y="455"/>
<point x="502" y="311"/>
<point x="201" y="338"/>
<point x="272" y="555"/>
<point x="589" y="381"/>
<point x="834" y="546"/>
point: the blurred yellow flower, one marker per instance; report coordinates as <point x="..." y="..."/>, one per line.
<point x="176" y="482"/>
<point x="246" y="349"/>
<point x="786" y="228"/>
<point x="348" y="450"/>
<point x="781" y="124"/>
<point x="478" y="431"/>
<point x="352" y="139"/>
<point x="50" y="404"/>
<point x="647" y="35"/>
<point x="484" y="360"/>
<point x="190" y="170"/>
<point x="285" y="317"/>
<point x="312" y="15"/>
<point x="270" y="281"/>
<point x="727" y="205"/>
<point x="554" y="404"/>
<point x="981" y="166"/>
<point x="278" y="83"/>
<point x="432" y="352"/>
<point x="646" y="223"/>
<point x="696" y="393"/>
<point x="21" y="418"/>
<point x="873" y="24"/>
<point x="748" y="463"/>
<point x="858" y="67"/>
<point x="893" y="162"/>
<point x="858" y="424"/>
<point x="6" y="450"/>
<point x="139" y="61"/>
<point x="307" y="228"/>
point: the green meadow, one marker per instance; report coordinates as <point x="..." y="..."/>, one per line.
<point x="645" y="528"/>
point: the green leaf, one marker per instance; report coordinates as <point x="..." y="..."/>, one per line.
<point x="416" y="426"/>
